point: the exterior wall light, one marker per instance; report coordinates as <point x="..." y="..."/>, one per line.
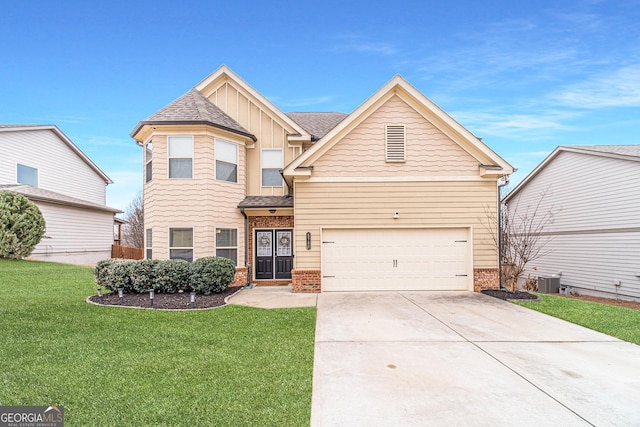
<point x="396" y="215"/>
<point x="121" y="294"/>
<point x="192" y="299"/>
<point x="308" y="240"/>
<point x="272" y="211"/>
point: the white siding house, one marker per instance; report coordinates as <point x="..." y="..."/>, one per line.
<point x="43" y="164"/>
<point x="593" y="243"/>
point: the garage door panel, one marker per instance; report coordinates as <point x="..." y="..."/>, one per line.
<point x="395" y="259"/>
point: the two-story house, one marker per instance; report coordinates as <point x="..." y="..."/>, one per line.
<point x="391" y="196"/>
<point x="44" y="165"/>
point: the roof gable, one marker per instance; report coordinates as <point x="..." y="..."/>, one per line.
<point x="397" y="86"/>
<point x="64" y="139"/>
<point x="224" y="75"/>
<point x="622" y="152"/>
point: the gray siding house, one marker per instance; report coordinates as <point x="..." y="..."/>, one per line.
<point x="593" y="243"/>
<point x="43" y="164"/>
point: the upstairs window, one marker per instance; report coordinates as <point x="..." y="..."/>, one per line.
<point x="148" y="159"/>
<point x="226" y="155"/>
<point x="227" y="243"/>
<point x="181" y="243"/>
<point x="272" y="163"/>
<point x="27" y="175"/>
<point x="395" y="143"/>
<point x="180" y="157"/>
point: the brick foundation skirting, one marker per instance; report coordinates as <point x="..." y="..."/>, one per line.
<point x="306" y="281"/>
<point x="486" y="278"/>
<point x="241" y="276"/>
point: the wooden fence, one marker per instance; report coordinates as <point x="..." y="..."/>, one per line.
<point x="126" y="252"/>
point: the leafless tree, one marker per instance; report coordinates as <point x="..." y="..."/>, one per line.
<point x="521" y="239"/>
<point x="133" y="230"/>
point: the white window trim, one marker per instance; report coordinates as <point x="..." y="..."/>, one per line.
<point x="169" y="157"/>
<point x="237" y="163"/>
<point x="236" y="247"/>
<point x="193" y="248"/>
<point x="32" y="167"/>
<point x="262" y="167"/>
<point x="148" y="160"/>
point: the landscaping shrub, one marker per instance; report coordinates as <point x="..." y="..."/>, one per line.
<point x="22" y="225"/>
<point x="122" y="273"/>
<point x="212" y="274"/>
<point x="143" y="275"/>
<point x="172" y="275"/>
<point x="103" y="272"/>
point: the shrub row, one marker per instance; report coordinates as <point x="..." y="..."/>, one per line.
<point x="205" y="275"/>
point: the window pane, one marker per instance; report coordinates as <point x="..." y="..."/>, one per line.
<point x="226" y="152"/>
<point x="226" y="171"/>
<point x="149" y="254"/>
<point x="226" y="237"/>
<point x="149" y="237"/>
<point x="272" y="159"/>
<point x="180" y="146"/>
<point x="180" y="168"/>
<point x="181" y="237"/>
<point x="149" y="151"/>
<point x="271" y="178"/>
<point x="149" y="172"/>
<point x="27" y="175"/>
<point x="232" y="254"/>
<point x="185" y="254"/>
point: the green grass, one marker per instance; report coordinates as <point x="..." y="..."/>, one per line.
<point x="619" y="322"/>
<point x="231" y="366"/>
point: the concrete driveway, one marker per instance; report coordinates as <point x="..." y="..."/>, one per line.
<point x="461" y="359"/>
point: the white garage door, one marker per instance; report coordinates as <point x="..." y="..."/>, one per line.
<point x="395" y="259"/>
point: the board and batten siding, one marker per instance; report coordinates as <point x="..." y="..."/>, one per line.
<point x="429" y="152"/>
<point x="60" y="169"/>
<point x="594" y="239"/>
<point x="74" y="235"/>
<point x="201" y="203"/>
<point x="428" y="204"/>
<point x="270" y="131"/>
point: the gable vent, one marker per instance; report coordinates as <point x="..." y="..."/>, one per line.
<point x="396" y="143"/>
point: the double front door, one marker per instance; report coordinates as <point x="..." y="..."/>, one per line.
<point x="274" y="254"/>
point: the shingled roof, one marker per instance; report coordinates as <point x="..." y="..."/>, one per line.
<point x="267" y="202"/>
<point x="35" y="193"/>
<point x="624" y="150"/>
<point x="190" y="109"/>
<point x="317" y="124"/>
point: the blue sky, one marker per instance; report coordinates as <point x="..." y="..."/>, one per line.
<point x="524" y="76"/>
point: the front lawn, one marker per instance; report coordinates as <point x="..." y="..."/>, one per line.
<point x="230" y="366"/>
<point x="619" y="322"/>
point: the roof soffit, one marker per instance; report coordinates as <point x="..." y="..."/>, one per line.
<point x="430" y="111"/>
<point x="224" y="75"/>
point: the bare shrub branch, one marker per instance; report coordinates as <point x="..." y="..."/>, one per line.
<point x="133" y="230"/>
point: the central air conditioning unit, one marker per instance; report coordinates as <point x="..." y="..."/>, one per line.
<point x="548" y="285"/>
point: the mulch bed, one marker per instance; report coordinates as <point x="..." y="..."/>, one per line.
<point x="506" y="295"/>
<point x="177" y="301"/>
<point x="609" y="301"/>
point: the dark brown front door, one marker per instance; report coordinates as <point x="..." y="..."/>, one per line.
<point x="274" y="254"/>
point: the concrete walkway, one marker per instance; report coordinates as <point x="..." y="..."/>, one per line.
<point x="272" y="297"/>
<point x="458" y="358"/>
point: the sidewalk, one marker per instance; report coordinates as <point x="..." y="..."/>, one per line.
<point x="273" y="297"/>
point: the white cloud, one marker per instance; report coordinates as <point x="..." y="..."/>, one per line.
<point x="360" y="44"/>
<point x="303" y="102"/>
<point x="617" y="88"/>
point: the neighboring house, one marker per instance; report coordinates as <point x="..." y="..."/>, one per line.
<point x="41" y="163"/>
<point x="593" y="243"/>
<point x="391" y="196"/>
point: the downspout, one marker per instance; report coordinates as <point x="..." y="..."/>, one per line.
<point x="246" y="247"/>
<point x="286" y="182"/>
<point x="506" y="181"/>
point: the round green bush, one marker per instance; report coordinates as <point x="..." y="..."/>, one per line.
<point x="22" y="225"/>
<point x="143" y="275"/>
<point x="171" y="276"/>
<point x="103" y="272"/>
<point x="211" y="274"/>
<point x="122" y="273"/>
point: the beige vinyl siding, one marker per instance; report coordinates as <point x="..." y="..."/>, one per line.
<point x="595" y="234"/>
<point x="271" y="132"/>
<point x="202" y="202"/>
<point x="429" y="152"/>
<point x="60" y="169"/>
<point x="74" y="235"/>
<point x="432" y="204"/>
